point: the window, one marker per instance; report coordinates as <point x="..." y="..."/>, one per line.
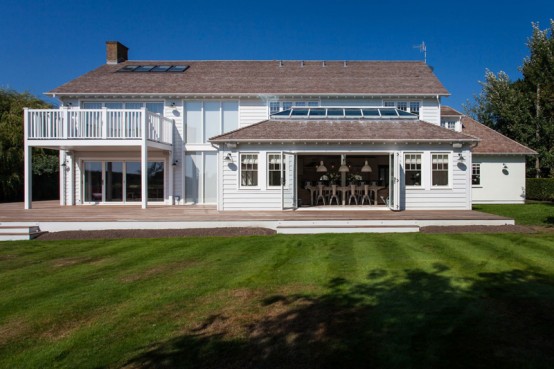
<point x="205" y="119"/>
<point x="412" y="165"/>
<point x="411" y="107"/>
<point x="274" y="169"/>
<point x="273" y="107"/>
<point x="249" y="170"/>
<point x="414" y="107"/>
<point x="476" y="174"/>
<point x="277" y="106"/>
<point x="440" y="169"/>
<point x="450" y="124"/>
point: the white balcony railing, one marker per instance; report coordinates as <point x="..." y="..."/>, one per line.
<point x="97" y="124"/>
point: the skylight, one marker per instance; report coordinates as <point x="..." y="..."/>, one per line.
<point x="154" y="68"/>
<point x="344" y="113"/>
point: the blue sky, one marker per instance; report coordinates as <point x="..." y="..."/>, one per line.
<point x="47" y="43"/>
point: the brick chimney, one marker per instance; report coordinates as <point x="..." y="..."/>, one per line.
<point x="115" y="52"/>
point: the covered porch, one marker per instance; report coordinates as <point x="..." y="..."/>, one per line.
<point x="106" y="155"/>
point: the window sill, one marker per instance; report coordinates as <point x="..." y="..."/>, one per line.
<point x="440" y="188"/>
<point x="476" y="186"/>
<point x="250" y="188"/>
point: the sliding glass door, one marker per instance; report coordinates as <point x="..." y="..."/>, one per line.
<point x="120" y="181"/>
<point x="93" y="181"/>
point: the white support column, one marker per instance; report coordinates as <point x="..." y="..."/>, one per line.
<point x="28" y="169"/>
<point x="170" y="161"/>
<point x="63" y="170"/>
<point x="70" y="177"/>
<point x="144" y="161"/>
<point x="183" y="177"/>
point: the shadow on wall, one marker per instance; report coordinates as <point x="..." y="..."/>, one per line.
<point x="415" y="319"/>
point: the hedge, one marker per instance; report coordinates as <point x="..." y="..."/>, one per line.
<point x="541" y="189"/>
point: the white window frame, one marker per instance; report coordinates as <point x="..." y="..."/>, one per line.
<point x="448" y="170"/>
<point x="474" y="167"/>
<point x="449" y="124"/>
<point x="415" y="154"/>
<point x="282" y="167"/>
<point x="288" y="104"/>
<point x="405" y="105"/>
<point x="257" y="186"/>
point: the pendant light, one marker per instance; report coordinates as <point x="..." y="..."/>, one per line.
<point x="321" y="167"/>
<point x="366" y="168"/>
<point x="344" y="168"/>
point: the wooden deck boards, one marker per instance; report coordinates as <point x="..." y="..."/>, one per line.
<point x="51" y="211"/>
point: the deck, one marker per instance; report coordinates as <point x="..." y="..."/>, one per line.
<point x="50" y="216"/>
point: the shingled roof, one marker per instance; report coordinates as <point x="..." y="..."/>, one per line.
<point x="491" y="142"/>
<point x="342" y="131"/>
<point x="261" y="77"/>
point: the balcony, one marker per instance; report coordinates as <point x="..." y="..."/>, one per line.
<point x="97" y="127"/>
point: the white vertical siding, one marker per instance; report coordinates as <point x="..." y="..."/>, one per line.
<point x="499" y="186"/>
<point x="252" y="111"/>
<point x="176" y="113"/>
<point x="429" y="111"/>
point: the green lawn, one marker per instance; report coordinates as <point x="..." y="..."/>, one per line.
<point x="324" y="301"/>
<point x="533" y="213"/>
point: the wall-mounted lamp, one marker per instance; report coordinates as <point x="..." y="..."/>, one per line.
<point x="64" y="164"/>
<point x="228" y="158"/>
<point x="173" y="104"/>
<point x="461" y="158"/>
<point x="504" y="166"/>
<point x="175" y="162"/>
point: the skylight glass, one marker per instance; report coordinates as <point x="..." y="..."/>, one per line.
<point x="161" y="68"/>
<point x="144" y="68"/>
<point x="154" y="68"/>
<point x="299" y="112"/>
<point x="350" y="112"/>
<point x="334" y="112"/>
<point x="371" y="113"/>
<point x="388" y="112"/>
<point x="385" y="113"/>
<point x="178" y="68"/>
<point x="319" y="112"/>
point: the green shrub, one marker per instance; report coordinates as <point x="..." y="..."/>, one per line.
<point x="541" y="189"/>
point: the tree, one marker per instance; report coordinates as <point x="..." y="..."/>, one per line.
<point x="524" y="109"/>
<point x="45" y="162"/>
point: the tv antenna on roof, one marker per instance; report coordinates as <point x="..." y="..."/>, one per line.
<point x="423" y="49"/>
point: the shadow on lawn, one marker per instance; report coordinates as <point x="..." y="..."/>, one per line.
<point x="414" y="320"/>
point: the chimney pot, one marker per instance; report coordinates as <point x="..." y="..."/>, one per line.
<point x="116" y="52"/>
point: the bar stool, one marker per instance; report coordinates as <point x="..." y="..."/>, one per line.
<point x="333" y="195"/>
<point x="320" y="194"/>
<point x="353" y="194"/>
<point x="366" y="195"/>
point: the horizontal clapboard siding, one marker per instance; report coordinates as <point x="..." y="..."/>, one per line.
<point x="252" y="111"/>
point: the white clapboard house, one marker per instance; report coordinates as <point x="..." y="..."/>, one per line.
<point x="270" y="135"/>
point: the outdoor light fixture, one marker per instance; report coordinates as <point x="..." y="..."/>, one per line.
<point x="228" y="158"/>
<point x="175" y="162"/>
<point x="64" y="164"/>
<point x="321" y="167"/>
<point x="366" y="168"/>
<point x="344" y="168"/>
<point x="504" y="166"/>
<point x="461" y="158"/>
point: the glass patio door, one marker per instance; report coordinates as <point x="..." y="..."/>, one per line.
<point x="93" y="182"/>
<point x="394" y="181"/>
<point x="288" y="181"/>
<point x="113" y="181"/>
